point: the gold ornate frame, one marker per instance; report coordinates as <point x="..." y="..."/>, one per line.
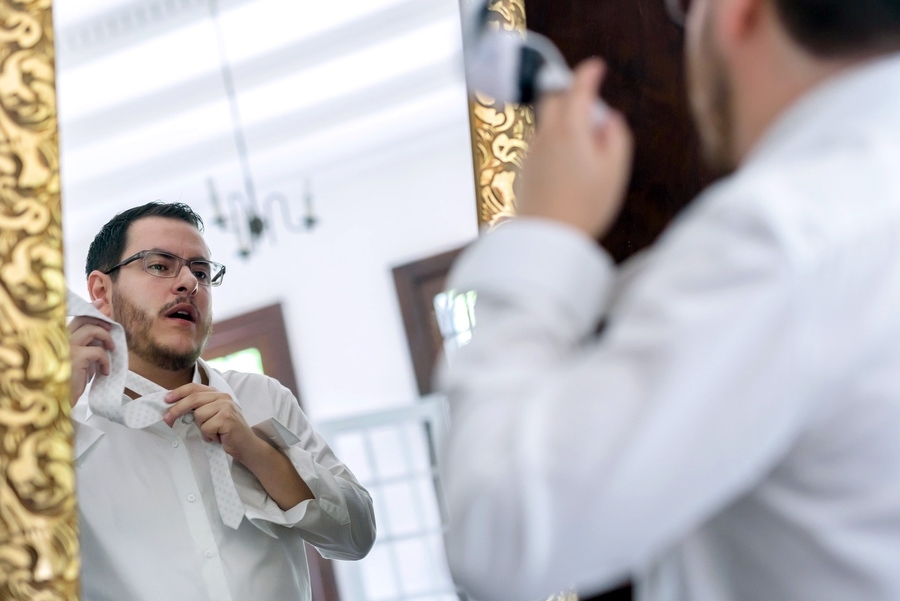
<point x="500" y="135"/>
<point x="38" y="533"/>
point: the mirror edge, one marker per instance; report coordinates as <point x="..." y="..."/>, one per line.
<point x="38" y="521"/>
<point x="500" y="135"/>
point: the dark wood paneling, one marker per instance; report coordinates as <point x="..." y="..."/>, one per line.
<point x="643" y="50"/>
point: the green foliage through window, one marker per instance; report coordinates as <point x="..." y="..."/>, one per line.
<point x="248" y="360"/>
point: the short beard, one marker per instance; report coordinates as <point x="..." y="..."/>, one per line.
<point x="138" y="324"/>
<point x="720" y="154"/>
<point x="715" y="119"/>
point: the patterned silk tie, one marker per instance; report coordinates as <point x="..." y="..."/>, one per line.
<point x="106" y="399"/>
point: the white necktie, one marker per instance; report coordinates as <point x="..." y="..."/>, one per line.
<point x="106" y="399"/>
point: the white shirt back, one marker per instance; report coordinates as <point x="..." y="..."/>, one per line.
<point x="732" y="435"/>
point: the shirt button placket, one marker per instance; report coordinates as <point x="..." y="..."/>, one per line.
<point x="212" y="573"/>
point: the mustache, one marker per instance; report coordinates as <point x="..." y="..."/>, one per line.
<point x="181" y="300"/>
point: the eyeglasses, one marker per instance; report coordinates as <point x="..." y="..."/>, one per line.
<point x="678" y="10"/>
<point x="165" y="265"/>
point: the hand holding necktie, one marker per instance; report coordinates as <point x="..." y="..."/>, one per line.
<point x="90" y="345"/>
<point x="215" y="413"/>
<point x="93" y="329"/>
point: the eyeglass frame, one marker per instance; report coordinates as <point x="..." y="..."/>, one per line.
<point x="142" y="255"/>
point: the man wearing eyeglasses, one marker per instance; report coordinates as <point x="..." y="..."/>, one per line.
<point x="193" y="484"/>
<point x="732" y="432"/>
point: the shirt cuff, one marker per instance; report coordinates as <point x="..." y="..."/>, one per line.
<point x="530" y="258"/>
<point x="261" y="509"/>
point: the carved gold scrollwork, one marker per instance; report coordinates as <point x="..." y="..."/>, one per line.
<point x="500" y="135"/>
<point x="38" y="535"/>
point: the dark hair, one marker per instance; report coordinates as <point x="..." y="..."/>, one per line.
<point x="110" y="242"/>
<point x="835" y="28"/>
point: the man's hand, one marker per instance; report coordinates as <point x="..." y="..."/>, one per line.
<point x="576" y="171"/>
<point x="217" y="416"/>
<point x="220" y="419"/>
<point x="89" y="346"/>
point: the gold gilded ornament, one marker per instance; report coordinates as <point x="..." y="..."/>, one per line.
<point x="38" y="535"/>
<point x="500" y="135"/>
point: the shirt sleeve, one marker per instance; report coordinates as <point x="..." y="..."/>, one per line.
<point x="575" y="457"/>
<point x="339" y="521"/>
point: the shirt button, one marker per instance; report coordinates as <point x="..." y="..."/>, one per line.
<point x="208" y="553"/>
<point x="188" y="419"/>
<point x="174" y="443"/>
<point x="191" y="498"/>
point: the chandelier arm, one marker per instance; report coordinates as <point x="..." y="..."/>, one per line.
<point x="240" y="218"/>
<point x="282" y="201"/>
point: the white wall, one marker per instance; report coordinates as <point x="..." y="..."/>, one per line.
<point x="349" y="348"/>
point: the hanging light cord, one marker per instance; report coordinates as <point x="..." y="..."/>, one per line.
<point x="250" y="230"/>
<point x="239" y="140"/>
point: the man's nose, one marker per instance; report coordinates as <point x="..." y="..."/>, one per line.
<point x="186" y="281"/>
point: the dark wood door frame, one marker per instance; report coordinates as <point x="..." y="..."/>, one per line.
<point x="417" y="284"/>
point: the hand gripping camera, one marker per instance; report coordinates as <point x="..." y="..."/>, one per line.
<point x="513" y="66"/>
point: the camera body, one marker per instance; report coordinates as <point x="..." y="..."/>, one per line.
<point x="512" y="67"/>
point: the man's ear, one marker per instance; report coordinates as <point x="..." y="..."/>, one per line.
<point x="100" y="289"/>
<point x="739" y="20"/>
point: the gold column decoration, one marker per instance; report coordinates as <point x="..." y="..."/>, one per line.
<point x="500" y="135"/>
<point x="38" y="535"/>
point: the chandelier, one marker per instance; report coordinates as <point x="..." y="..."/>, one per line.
<point x="243" y="212"/>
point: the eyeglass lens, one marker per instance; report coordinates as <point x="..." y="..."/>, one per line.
<point x="164" y="265"/>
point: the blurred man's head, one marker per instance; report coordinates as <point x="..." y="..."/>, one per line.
<point x="842" y="28"/>
<point x="149" y="269"/>
<point x="748" y="59"/>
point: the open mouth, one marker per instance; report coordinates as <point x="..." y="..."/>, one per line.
<point x="183" y="312"/>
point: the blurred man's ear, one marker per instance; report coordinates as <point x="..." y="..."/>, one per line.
<point x="100" y="289"/>
<point x="741" y="19"/>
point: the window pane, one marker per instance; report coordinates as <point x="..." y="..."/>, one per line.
<point x="248" y="360"/>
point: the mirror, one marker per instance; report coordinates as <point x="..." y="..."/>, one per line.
<point x="361" y="104"/>
<point x="353" y="114"/>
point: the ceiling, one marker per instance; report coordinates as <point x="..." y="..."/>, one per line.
<point x="144" y="112"/>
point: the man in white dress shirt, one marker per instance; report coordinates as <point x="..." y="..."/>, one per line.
<point x="732" y="434"/>
<point x="149" y="515"/>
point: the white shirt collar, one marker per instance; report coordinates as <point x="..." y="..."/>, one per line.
<point x="215" y="381"/>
